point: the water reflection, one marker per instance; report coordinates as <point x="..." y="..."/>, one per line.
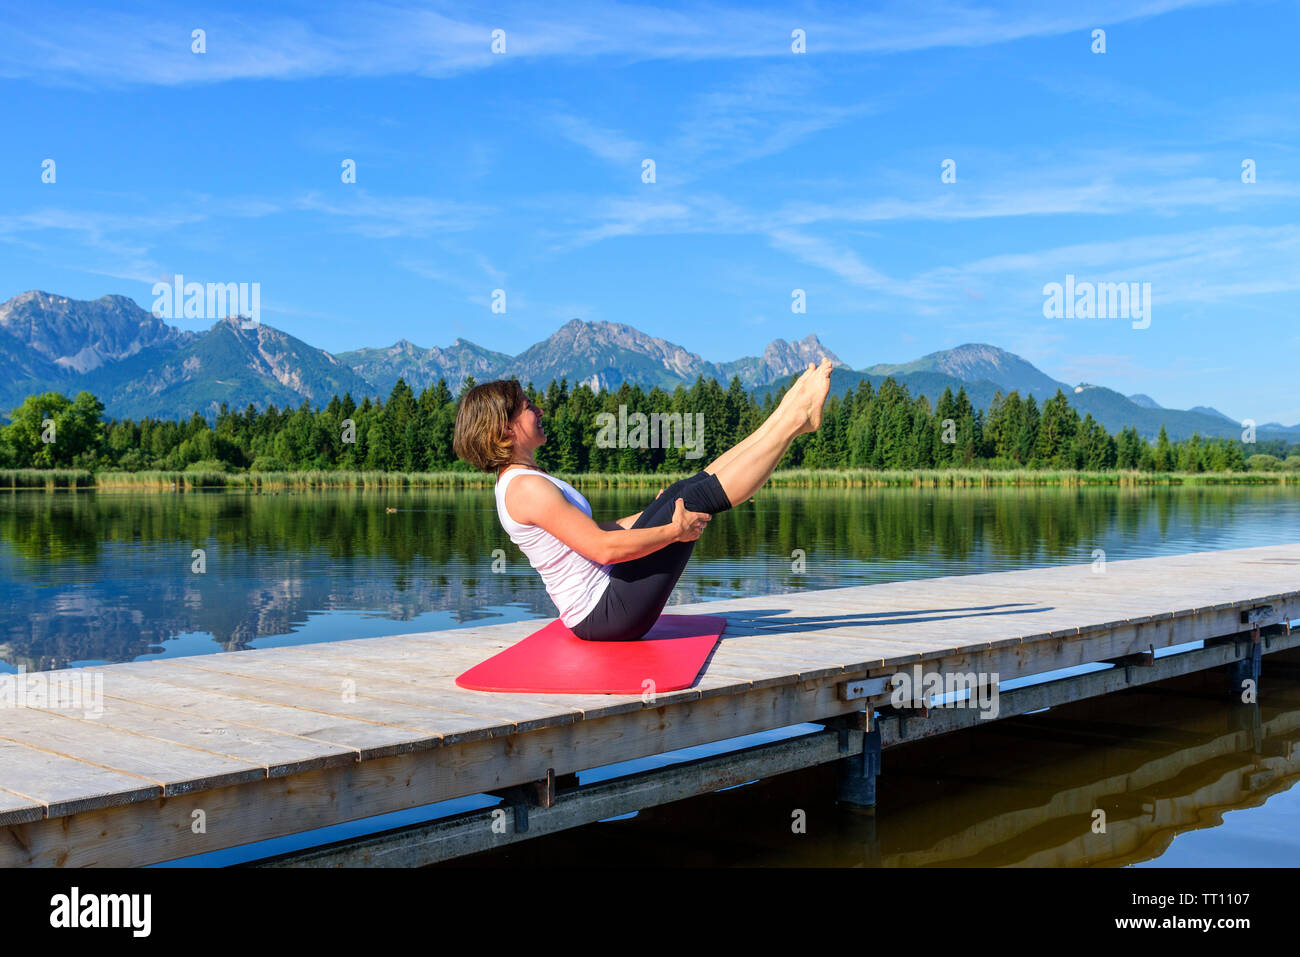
<point x="1163" y="763"/>
<point x="90" y="578"/>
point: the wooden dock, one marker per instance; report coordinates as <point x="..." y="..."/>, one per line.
<point x="193" y="755"/>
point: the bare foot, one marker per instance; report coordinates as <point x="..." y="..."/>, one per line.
<point x="817" y="387"/>
<point x="794" y="400"/>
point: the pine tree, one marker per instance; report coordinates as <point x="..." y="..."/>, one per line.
<point x="1164" y="455"/>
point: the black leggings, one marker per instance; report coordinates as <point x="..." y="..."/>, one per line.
<point x="639" y="589"/>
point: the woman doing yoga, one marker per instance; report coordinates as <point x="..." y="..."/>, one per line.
<point x="610" y="580"/>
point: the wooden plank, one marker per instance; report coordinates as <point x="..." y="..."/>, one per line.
<point x="413" y="657"/>
<point x="436" y="694"/>
<point x="176" y="768"/>
<point x="367" y="738"/>
<point x="16" y="808"/>
<point x="858" y="653"/>
<point x="427" y="723"/>
<point x="275" y="751"/>
<point x="412" y="661"/>
<point x="1051" y="655"/>
<point x="407" y="663"/>
<point x="158" y="831"/>
<point x="63" y="786"/>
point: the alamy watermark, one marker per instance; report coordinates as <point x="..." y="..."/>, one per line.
<point x="919" y="689"/>
<point x="75" y="909"/>
<point x="1102" y="300"/>
<point x="76" y="690"/>
<point x="659" y="430"/>
<point x="214" y="300"/>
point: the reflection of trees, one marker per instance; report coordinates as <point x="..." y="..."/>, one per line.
<point x="94" y="576"/>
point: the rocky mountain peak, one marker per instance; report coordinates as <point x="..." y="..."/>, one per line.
<point x="79" y="336"/>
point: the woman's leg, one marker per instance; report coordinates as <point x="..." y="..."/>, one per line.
<point x="638" y="590"/>
<point x="748" y="441"/>
<point x="745" y="468"/>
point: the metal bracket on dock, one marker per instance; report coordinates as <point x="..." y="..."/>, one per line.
<point x="1253" y="616"/>
<point x="863" y="688"/>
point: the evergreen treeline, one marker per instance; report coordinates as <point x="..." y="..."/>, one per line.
<point x="867" y="428"/>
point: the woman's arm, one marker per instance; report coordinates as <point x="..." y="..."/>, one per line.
<point x="534" y="500"/>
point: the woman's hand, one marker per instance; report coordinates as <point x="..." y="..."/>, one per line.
<point x="689" y="525"/>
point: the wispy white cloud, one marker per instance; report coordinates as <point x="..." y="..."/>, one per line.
<point x="1101" y="196"/>
<point x="606" y="144"/>
<point x="635" y="217"/>
<point x="1100" y="183"/>
<point x="95" y="225"/>
<point x="124" y="244"/>
<point x="476" y="280"/>
<point x="763" y="113"/>
<point x="496" y="275"/>
<point x="388" y="217"/>
<point x="153" y="45"/>
<point x="1204" y="265"/>
<point x="843" y="262"/>
<point x="107" y="243"/>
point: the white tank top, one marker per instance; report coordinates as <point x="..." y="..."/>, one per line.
<point x="574" y="582"/>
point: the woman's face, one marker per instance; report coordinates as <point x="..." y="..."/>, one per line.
<point x="526" y="428"/>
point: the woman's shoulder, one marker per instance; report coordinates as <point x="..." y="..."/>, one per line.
<point x="526" y="486"/>
<point x="516" y="496"/>
<point x="510" y="475"/>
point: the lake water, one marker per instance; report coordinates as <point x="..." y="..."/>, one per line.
<point x="91" y="578"/>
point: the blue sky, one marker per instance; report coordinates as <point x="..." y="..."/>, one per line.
<point x="775" y="171"/>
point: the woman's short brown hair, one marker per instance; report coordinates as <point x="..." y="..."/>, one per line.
<point x="481" y="419"/>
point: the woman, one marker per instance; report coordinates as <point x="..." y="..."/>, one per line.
<point x="611" y="580"/>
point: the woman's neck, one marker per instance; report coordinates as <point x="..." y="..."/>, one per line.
<point x="529" y="465"/>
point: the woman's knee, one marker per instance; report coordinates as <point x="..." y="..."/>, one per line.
<point x="699" y="493"/>
<point x="674" y="490"/>
<point x="706" y="494"/>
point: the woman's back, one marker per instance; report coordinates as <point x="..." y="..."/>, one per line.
<point x="574" y="582"/>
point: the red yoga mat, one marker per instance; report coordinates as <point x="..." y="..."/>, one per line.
<point x="556" y="660"/>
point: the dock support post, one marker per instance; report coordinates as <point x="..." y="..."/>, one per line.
<point x="1248" y="667"/>
<point x="856" y="775"/>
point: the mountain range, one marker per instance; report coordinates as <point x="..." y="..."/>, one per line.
<point x="138" y="365"/>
